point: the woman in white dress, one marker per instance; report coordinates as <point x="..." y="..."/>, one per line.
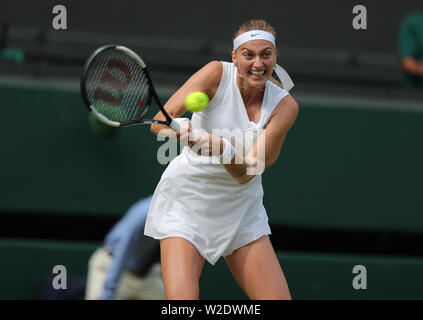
<point x="205" y="210"/>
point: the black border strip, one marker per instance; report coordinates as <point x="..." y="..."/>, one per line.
<point x="89" y="227"/>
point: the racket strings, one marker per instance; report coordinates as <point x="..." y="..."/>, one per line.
<point x="117" y="86"/>
<point x="100" y="105"/>
<point x="139" y="86"/>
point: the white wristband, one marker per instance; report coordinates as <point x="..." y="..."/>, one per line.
<point x="228" y="153"/>
<point x="178" y="122"/>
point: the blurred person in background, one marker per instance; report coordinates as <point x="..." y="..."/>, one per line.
<point x="10" y="54"/>
<point x="410" y="48"/>
<point x="128" y="266"/>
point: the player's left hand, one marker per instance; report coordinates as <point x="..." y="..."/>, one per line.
<point x="205" y="144"/>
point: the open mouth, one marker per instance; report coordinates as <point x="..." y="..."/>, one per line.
<point x="257" y="73"/>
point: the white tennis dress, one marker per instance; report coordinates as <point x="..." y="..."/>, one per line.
<point x="201" y="202"/>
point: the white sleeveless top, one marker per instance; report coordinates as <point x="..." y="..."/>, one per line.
<point x="198" y="200"/>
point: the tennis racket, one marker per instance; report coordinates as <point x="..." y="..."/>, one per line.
<point x="117" y="88"/>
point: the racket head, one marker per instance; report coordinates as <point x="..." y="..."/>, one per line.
<point x="116" y="86"/>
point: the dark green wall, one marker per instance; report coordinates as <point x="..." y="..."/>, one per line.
<point x="340" y="167"/>
<point x="26" y="265"/>
<point x="52" y="161"/>
<point x="328" y="276"/>
<point x="350" y="168"/>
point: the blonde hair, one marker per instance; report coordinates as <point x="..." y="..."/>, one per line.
<point x="257" y="24"/>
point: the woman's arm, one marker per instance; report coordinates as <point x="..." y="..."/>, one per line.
<point x="243" y="169"/>
<point x="207" y="79"/>
<point x="412" y="66"/>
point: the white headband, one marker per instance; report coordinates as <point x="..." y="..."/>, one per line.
<point x="253" y="35"/>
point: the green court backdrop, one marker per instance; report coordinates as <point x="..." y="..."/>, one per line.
<point x="27" y="264"/>
<point x="340" y="167"/>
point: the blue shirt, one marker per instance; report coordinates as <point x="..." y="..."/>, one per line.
<point x="129" y="247"/>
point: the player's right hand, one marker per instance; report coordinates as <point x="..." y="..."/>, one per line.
<point x="179" y="135"/>
<point x="183" y="134"/>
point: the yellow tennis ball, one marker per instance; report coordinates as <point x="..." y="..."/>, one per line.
<point x="196" y="101"/>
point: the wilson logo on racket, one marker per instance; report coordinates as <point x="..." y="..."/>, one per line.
<point x="117" y="88"/>
<point x="109" y="79"/>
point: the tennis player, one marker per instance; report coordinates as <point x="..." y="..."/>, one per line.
<point x="203" y="211"/>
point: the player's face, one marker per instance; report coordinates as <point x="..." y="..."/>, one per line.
<point x="255" y="61"/>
